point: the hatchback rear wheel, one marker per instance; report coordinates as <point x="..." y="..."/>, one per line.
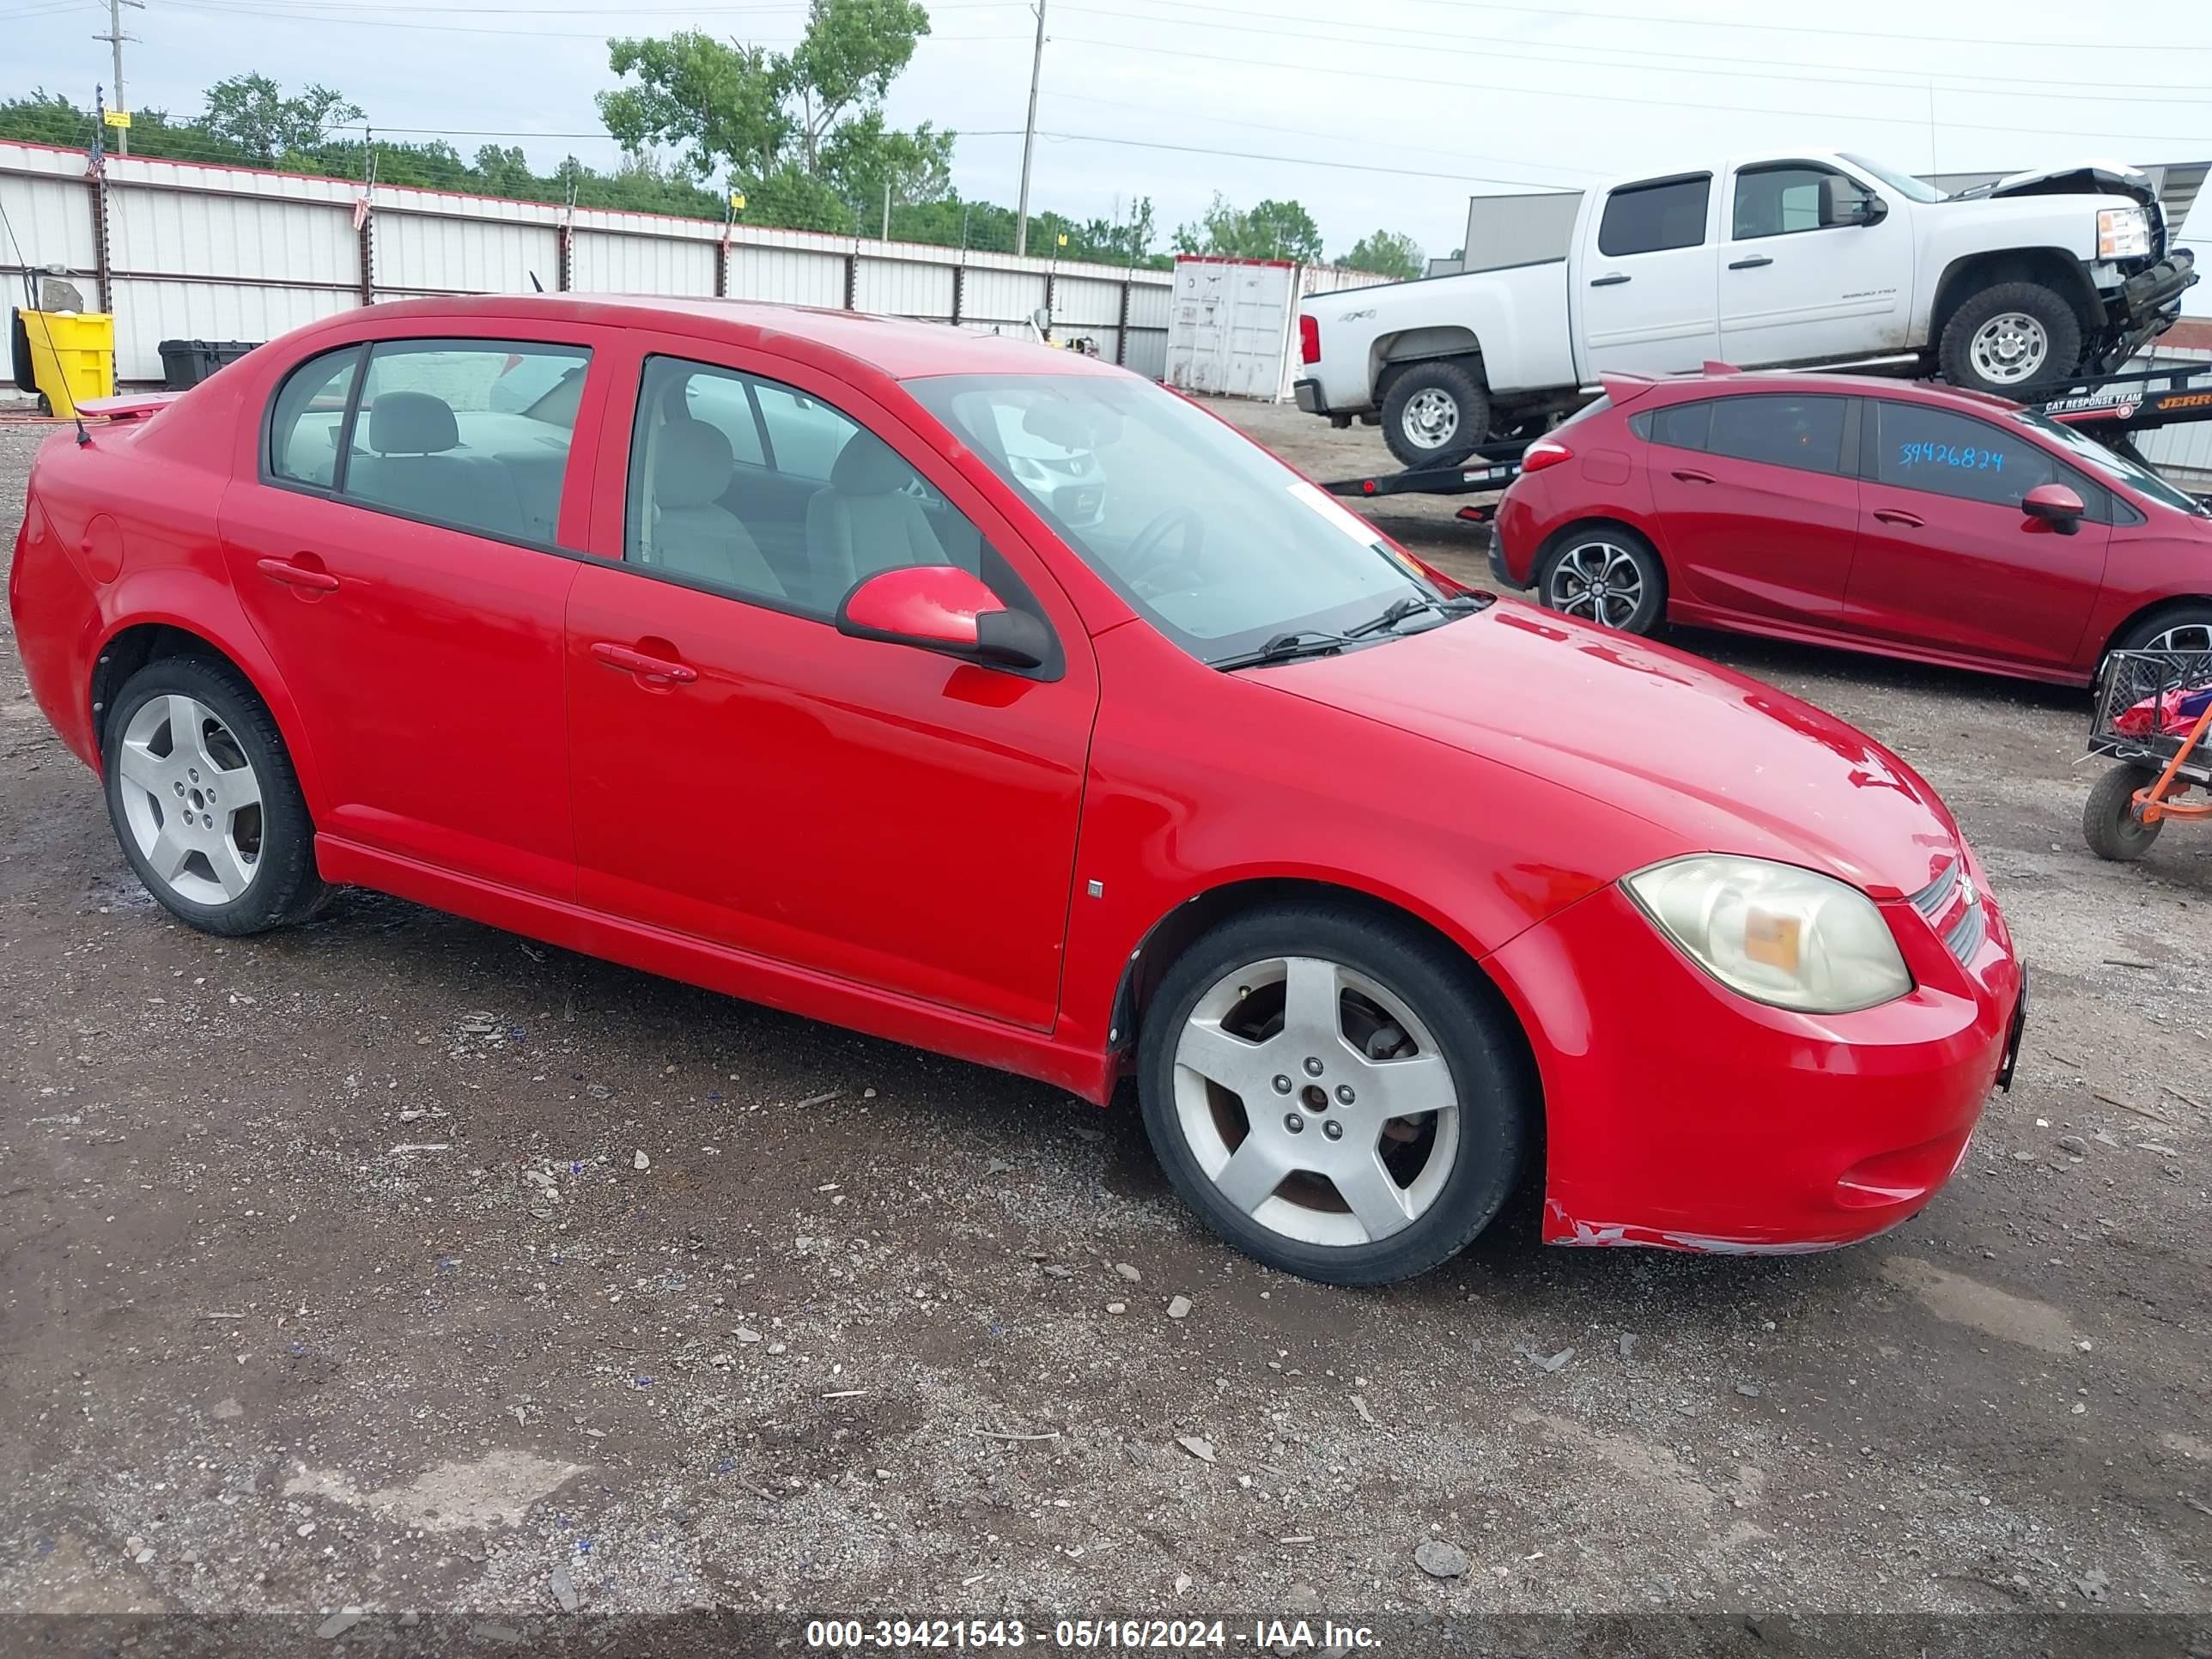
<point x="1605" y="574"/>
<point x="1334" y="1094"/>
<point x="205" y="801"/>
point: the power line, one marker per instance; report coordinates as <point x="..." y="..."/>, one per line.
<point x="1327" y="137"/>
<point x="1856" y="34"/>
<point x="1262" y="156"/>
<point x="1771" y="69"/>
<point x="1708" y="107"/>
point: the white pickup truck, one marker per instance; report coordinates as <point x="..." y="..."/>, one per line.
<point x="1808" y="259"/>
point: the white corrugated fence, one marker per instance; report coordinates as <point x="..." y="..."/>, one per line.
<point x="180" y="250"/>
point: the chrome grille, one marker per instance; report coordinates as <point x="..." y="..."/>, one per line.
<point x="1934" y="898"/>
<point x="1967" y="932"/>
<point x="1963" y="922"/>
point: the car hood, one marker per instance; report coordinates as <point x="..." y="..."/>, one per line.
<point x="2096" y="178"/>
<point x="1718" y="759"/>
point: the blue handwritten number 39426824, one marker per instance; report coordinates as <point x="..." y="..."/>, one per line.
<point x="1967" y="456"/>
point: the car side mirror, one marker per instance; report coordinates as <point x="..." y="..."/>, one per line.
<point x="1871" y="211"/>
<point x="941" y="607"/>
<point x="2056" y="505"/>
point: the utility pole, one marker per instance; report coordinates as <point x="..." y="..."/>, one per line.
<point x="1028" y="137"/>
<point x="887" y="210"/>
<point x="115" y="37"/>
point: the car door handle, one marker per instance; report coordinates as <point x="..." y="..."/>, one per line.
<point x="1752" y="264"/>
<point x="622" y="659"/>
<point x="1899" y="515"/>
<point x="1614" y="281"/>
<point x="294" y="575"/>
<point x="1690" y="475"/>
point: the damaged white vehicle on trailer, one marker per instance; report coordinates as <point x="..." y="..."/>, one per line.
<point x="1810" y="259"/>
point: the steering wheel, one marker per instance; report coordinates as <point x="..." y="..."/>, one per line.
<point x="1148" y="553"/>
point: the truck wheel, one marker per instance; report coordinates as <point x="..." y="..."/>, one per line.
<point x="2110" y="823"/>
<point x="2009" y="339"/>
<point x="1434" y="414"/>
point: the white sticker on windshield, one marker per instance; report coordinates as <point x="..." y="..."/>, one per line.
<point x="1325" y="505"/>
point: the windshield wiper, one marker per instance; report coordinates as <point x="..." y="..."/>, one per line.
<point x="1286" y="648"/>
<point x="1414" y="604"/>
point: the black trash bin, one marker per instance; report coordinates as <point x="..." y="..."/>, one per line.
<point x="187" y="363"/>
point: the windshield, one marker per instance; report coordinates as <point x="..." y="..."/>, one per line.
<point x="1903" y="183"/>
<point x="2109" y="464"/>
<point x="1217" y="542"/>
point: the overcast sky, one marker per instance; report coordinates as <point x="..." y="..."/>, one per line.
<point x="1382" y="113"/>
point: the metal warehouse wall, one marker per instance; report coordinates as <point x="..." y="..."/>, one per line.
<point x="181" y="251"/>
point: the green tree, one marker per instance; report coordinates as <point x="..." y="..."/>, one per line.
<point x="719" y="102"/>
<point x="852" y="51"/>
<point x="1387" y="253"/>
<point x="802" y="133"/>
<point x="1269" y="230"/>
<point x="252" y="112"/>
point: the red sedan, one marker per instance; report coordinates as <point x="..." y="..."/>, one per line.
<point x="1912" y="520"/>
<point x="992" y="700"/>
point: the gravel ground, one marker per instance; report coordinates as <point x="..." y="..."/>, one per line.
<point x="395" y="1262"/>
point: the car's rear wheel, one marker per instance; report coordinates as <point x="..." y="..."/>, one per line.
<point x="1333" y="1094"/>
<point x="205" y="800"/>
<point x="1605" y="574"/>
<point x="2110" y="823"/>
<point x="1434" y="413"/>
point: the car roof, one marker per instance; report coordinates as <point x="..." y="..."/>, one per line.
<point x="898" y="347"/>
<point x="1713" y="382"/>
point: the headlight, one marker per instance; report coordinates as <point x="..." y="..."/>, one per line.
<point x="2123" y="233"/>
<point x="1775" y="932"/>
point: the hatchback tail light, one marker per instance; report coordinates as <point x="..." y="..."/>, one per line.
<point x="1309" y="339"/>
<point x="1545" y="452"/>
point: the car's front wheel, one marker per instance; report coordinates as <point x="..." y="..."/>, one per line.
<point x="205" y="800"/>
<point x="2011" y="339"/>
<point x="1606" y="575"/>
<point x="1335" y="1095"/>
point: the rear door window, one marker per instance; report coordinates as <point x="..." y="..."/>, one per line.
<point x="1779" y="430"/>
<point x="471" y="434"/>
<point x="1667" y="213"/>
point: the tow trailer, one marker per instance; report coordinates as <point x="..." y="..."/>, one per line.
<point x="2109" y="407"/>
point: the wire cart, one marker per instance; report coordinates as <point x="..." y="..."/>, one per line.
<point x="2153" y="711"/>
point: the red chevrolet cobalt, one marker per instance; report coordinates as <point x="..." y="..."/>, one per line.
<point x="990" y="699"/>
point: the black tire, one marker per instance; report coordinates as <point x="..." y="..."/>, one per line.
<point x="283" y="886"/>
<point x="2052" y="311"/>
<point x="2189" y="616"/>
<point x="1460" y="391"/>
<point x="1472" y="1030"/>
<point x="1585" y="542"/>
<point x="2109" y="822"/>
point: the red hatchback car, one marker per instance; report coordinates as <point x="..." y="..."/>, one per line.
<point x="763" y="649"/>
<point x="1908" y="520"/>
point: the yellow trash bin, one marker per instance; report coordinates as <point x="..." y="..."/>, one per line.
<point x="72" y="355"/>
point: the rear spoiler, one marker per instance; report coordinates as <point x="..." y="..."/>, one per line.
<point x="133" y="406"/>
<point x="1626" y="388"/>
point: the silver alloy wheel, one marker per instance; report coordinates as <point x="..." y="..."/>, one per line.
<point x="190" y="798"/>
<point x="1315" y="1101"/>
<point x="2011" y="347"/>
<point x="1601" y="580"/>
<point x="1430" y="418"/>
<point x="2183" y="636"/>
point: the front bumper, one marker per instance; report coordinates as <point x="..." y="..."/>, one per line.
<point x="2149" y="292"/>
<point x="1681" y="1115"/>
